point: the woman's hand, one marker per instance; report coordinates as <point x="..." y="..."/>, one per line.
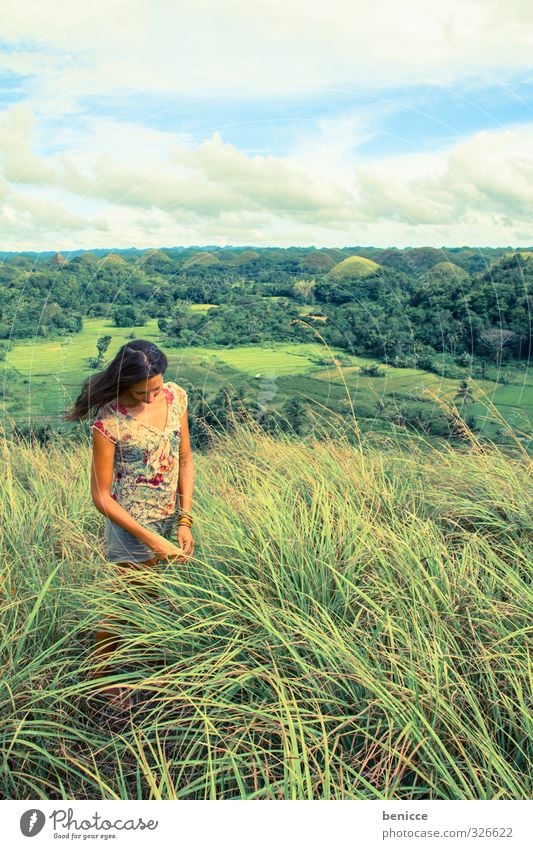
<point x="164" y="548"/>
<point x="186" y="542"/>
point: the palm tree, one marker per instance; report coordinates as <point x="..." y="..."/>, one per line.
<point x="465" y="393"/>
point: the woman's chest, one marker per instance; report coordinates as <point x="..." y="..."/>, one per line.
<point x="137" y="445"/>
<point x="154" y="416"/>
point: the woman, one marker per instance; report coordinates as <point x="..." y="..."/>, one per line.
<point x="141" y="462"/>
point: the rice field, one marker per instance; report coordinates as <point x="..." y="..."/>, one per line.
<point x="54" y="371"/>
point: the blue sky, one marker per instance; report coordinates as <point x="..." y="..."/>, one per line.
<point x="424" y="117"/>
<point x="277" y="123"/>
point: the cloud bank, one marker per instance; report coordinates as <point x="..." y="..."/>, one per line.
<point x="76" y="175"/>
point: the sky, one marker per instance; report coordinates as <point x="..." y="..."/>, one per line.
<point x="128" y="123"/>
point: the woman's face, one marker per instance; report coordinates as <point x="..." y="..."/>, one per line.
<point x="146" y="391"/>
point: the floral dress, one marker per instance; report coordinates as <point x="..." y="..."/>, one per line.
<point x="146" y="461"/>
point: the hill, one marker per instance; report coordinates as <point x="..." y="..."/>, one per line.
<point x="353" y="267"/>
<point x="446" y="271"/>
<point x="114" y="259"/>
<point x="245" y="257"/>
<point x="202" y="259"/>
<point x="317" y="262"/>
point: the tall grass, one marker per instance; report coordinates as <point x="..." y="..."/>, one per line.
<point x="353" y="625"/>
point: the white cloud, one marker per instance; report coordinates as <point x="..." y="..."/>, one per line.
<point x="29" y="222"/>
<point x="144" y="187"/>
<point x="487" y="174"/>
<point x="137" y="185"/>
<point x="208" y="179"/>
<point x="242" y="48"/>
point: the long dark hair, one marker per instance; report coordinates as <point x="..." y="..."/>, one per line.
<point x="136" y="360"/>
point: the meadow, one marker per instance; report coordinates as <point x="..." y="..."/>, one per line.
<point x="354" y="624"/>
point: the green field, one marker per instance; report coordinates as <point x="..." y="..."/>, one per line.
<point x="53" y="371"/>
<point x="514" y="402"/>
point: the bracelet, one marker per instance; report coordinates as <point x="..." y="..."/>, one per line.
<point x="185" y="513"/>
<point x="185" y="521"/>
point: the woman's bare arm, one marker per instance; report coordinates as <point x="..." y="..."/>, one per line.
<point x="186" y="469"/>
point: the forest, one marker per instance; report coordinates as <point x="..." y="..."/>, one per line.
<point x="404" y="307"/>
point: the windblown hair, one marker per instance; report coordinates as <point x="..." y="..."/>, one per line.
<point x="136" y="360"/>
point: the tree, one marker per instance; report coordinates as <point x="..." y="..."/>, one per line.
<point x="102" y="344"/>
<point x="303" y="290"/>
<point x="465" y="393"/>
<point x="496" y="340"/>
<point x="126" y="316"/>
<point x="372" y="370"/>
<point x="293" y="414"/>
<point x="401" y="416"/>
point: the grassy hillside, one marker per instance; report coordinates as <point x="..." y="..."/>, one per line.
<point x="203" y="258"/>
<point x="446" y="270"/>
<point x="353" y="266"/>
<point x="353" y="625"/>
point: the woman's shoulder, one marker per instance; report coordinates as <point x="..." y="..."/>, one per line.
<point x="105" y="408"/>
<point x="179" y="394"/>
<point x="106" y="421"/>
